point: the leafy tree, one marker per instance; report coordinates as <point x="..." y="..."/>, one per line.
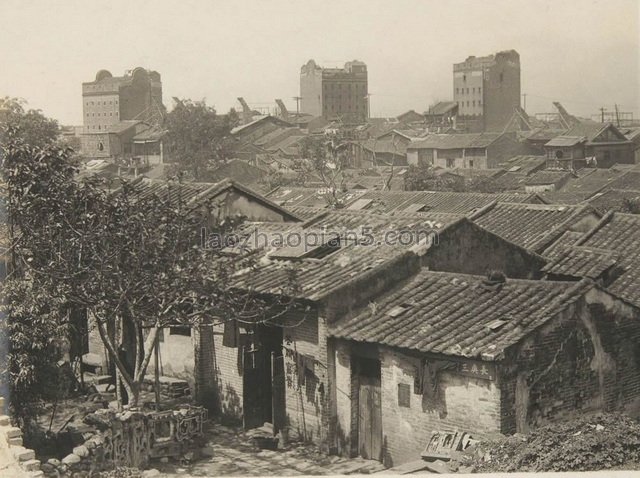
<point x="424" y="178"/>
<point x="197" y="137"/>
<point x="132" y="259"/>
<point x="30" y="125"/>
<point x="325" y="157"/>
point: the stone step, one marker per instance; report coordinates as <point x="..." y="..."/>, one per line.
<point x="16" y="441"/>
<point x="12" y="432"/>
<point x="31" y="465"/>
<point x="23" y="454"/>
<point x="4" y="421"/>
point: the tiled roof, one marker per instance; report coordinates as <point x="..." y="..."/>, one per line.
<point x="582" y="261"/>
<point x="239" y="171"/>
<point x="350" y="220"/>
<point x="592" y="130"/>
<point x="438" y="201"/>
<point x="452" y="314"/>
<point x="629" y="180"/>
<point x="455" y="141"/>
<point x="385" y="146"/>
<point x="524" y="164"/>
<point x="193" y="194"/>
<point x="309" y="197"/>
<point x="563" y="197"/>
<point x="566" y="240"/>
<point x="510" y="182"/>
<point x="530" y="226"/>
<point x="547" y="176"/>
<point x="441" y="108"/>
<point x="540" y="134"/>
<point x="566" y="141"/>
<point x="317" y="278"/>
<point x="613" y="200"/>
<point x="592" y="180"/>
<point x="620" y="233"/>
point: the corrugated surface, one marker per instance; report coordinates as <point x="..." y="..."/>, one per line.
<point x="449" y="313"/>
<point x="547" y="176"/>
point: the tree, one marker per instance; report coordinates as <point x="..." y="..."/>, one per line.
<point x="132" y="259"/>
<point x="30" y="125"/>
<point x="424" y="178"/>
<point x="325" y="157"/>
<point x="197" y="137"/>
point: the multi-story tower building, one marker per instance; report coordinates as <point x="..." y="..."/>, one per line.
<point x="110" y="99"/>
<point x="487" y="90"/>
<point x="335" y="92"/>
<point x="113" y="109"/>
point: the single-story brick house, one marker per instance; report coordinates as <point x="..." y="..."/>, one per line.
<point x="444" y="351"/>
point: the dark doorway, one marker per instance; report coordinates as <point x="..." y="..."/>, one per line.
<point x="369" y="408"/>
<point x="263" y="378"/>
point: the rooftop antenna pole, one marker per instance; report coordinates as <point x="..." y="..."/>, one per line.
<point x="602" y="110"/>
<point x="617" y="116"/>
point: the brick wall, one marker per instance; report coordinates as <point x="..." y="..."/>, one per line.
<point x="218" y="380"/>
<point x="469" y="404"/>
<point x="586" y="359"/>
<point x="307" y="405"/>
<point x="469" y="249"/>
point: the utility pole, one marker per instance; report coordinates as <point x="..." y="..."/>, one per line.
<point x="602" y="110"/>
<point x="297" y="98"/>
<point x="524" y="107"/>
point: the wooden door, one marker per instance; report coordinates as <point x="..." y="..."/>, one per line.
<point x="370" y="416"/>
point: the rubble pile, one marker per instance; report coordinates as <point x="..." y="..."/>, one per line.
<point x="595" y="442"/>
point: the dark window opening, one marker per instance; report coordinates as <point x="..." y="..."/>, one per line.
<point x="404" y="395"/>
<point x="183" y="330"/>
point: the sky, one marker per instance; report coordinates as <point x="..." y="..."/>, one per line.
<point x="583" y="53"/>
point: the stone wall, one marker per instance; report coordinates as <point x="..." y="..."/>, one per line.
<point x="18" y="461"/>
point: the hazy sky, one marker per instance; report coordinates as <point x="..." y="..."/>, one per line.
<point x="584" y="53"/>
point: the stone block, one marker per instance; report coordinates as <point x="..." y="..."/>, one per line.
<point x="17" y="441"/>
<point x="152" y="473"/>
<point x="12" y="432"/>
<point x="81" y="451"/>
<point x="71" y="459"/>
<point x="4" y="421"/>
<point x="31" y="465"/>
<point x="23" y="454"/>
<point x="54" y="462"/>
<point x="37" y="474"/>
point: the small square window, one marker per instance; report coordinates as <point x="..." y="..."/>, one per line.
<point x="404" y="395"/>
